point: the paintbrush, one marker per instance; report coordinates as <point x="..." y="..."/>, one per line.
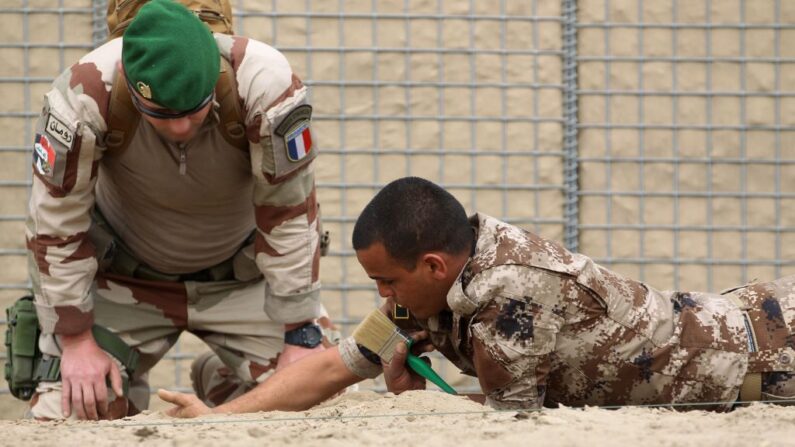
<point x="379" y="334"/>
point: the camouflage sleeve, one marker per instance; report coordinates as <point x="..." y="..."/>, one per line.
<point x="65" y="156"/>
<point x="283" y="147"/>
<point x="511" y="355"/>
<point x="513" y="338"/>
<point x="359" y="360"/>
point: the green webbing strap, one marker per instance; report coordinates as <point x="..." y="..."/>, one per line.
<point x="49" y="369"/>
<point x="115" y="346"/>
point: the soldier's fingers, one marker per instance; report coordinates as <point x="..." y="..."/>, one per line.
<point x="401" y="351"/>
<point x="419" y="335"/>
<point x="66" y="396"/>
<point x="77" y="401"/>
<point x="115" y="380"/>
<point x="174" y="398"/>
<point x="396" y="366"/>
<point x="89" y="400"/>
<point x="101" y="395"/>
<point x="421" y="342"/>
<point x="168" y="396"/>
<point x="326" y="323"/>
<point x="165" y="395"/>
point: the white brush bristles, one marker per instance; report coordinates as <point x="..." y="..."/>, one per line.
<point x="379" y="334"/>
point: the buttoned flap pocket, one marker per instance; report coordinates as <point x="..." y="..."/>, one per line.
<point x="771" y="360"/>
<point x="709" y="321"/>
<point x="292" y="143"/>
<point x="510" y="328"/>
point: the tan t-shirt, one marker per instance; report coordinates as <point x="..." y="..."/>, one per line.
<point x="178" y="223"/>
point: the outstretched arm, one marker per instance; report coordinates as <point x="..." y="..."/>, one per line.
<point x="299" y="386"/>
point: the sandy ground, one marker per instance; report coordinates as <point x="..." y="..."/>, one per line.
<point x="424" y="418"/>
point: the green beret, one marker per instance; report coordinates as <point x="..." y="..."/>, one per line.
<point x="170" y="56"/>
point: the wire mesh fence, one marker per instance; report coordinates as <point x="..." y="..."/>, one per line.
<point x="654" y="136"/>
<point x="683" y="112"/>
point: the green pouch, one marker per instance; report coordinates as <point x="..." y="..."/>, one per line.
<point x="22" y="348"/>
<point x="25" y="367"/>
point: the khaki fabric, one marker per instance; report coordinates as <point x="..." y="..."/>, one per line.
<point x="541" y="326"/>
<point x="150" y="316"/>
<point x="178" y="208"/>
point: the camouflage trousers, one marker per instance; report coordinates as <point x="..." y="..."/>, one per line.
<point x="150" y="316"/>
<point x="769" y="309"/>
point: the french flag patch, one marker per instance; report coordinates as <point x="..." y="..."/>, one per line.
<point x="299" y="142"/>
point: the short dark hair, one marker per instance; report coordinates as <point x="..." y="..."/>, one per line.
<point x="411" y="216"/>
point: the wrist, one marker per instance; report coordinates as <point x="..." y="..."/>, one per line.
<point x="290" y="326"/>
<point x="307" y="335"/>
<point x="81" y="338"/>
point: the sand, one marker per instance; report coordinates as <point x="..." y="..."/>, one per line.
<point x="424" y="418"/>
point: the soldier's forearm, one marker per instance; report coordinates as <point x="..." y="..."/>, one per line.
<point x="297" y="387"/>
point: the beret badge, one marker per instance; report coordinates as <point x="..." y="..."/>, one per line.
<point x="144" y="90"/>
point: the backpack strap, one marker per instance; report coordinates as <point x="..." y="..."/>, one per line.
<point x="217" y="14"/>
<point x="123" y="117"/>
<point x="230" y="122"/>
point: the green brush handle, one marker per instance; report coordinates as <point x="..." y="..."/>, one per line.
<point x="422" y="368"/>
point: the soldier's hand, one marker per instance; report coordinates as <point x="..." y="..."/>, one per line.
<point x="84" y="367"/>
<point x="397" y="375"/>
<point x="293" y="353"/>
<point x="186" y="405"/>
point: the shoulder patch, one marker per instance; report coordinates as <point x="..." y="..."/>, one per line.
<point x="57" y="129"/>
<point x="52" y="147"/>
<point x="296" y="133"/>
<point x="290" y="144"/>
<point x="44" y="156"/>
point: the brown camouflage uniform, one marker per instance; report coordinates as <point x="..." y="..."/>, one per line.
<point x="556" y="328"/>
<point x="175" y="223"/>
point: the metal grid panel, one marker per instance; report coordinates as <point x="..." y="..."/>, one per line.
<point x="32" y="56"/>
<point x="38" y="42"/>
<point x="465" y="94"/>
<point x="686" y="178"/>
<point x="674" y="114"/>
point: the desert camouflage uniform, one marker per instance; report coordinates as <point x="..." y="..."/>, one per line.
<point x="175" y="222"/>
<point x="539" y="325"/>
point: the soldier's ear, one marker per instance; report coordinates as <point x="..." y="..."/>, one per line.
<point x="436" y="265"/>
